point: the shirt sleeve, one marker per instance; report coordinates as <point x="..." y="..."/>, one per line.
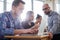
<point x="3" y="26"/>
<point x="55" y="24"/>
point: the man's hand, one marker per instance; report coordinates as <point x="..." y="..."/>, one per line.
<point x="32" y="31"/>
<point x="50" y="35"/>
<point x="25" y="31"/>
<point x="36" y="26"/>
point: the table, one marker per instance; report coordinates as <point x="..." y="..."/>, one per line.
<point x="43" y="37"/>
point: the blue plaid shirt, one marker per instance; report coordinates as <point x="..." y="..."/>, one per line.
<point x="8" y="24"/>
<point x="54" y="22"/>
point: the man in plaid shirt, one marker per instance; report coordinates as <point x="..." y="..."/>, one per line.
<point x="9" y="24"/>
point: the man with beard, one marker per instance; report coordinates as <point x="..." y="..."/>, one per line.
<point x="53" y="22"/>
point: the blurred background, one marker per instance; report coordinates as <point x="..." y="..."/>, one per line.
<point x="34" y="5"/>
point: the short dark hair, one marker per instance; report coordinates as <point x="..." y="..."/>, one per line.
<point x="16" y="2"/>
<point x="38" y="16"/>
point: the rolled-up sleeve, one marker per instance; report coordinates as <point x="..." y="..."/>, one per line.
<point x="3" y="27"/>
<point x="55" y="24"/>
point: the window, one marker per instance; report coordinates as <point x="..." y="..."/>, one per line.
<point x="9" y="5"/>
<point x="37" y="8"/>
<point x="28" y="7"/>
<point x="1" y="6"/>
<point x="58" y="8"/>
<point x="1" y="0"/>
<point x="57" y="4"/>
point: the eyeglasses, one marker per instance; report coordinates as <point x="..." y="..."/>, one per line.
<point x="45" y="8"/>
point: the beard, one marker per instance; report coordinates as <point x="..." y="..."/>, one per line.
<point x="47" y="13"/>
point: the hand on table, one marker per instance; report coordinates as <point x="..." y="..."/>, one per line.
<point x="36" y="26"/>
<point x="31" y="31"/>
<point x="50" y="35"/>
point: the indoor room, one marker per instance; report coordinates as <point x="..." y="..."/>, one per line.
<point x="29" y="20"/>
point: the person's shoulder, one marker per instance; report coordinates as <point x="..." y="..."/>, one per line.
<point x="6" y="13"/>
<point x="3" y="15"/>
<point x="55" y="13"/>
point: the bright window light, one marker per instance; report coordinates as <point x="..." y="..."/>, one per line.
<point x="28" y="7"/>
<point x="9" y="5"/>
<point x="1" y="0"/>
<point x="1" y="7"/>
<point x="57" y="7"/>
<point x="37" y="8"/>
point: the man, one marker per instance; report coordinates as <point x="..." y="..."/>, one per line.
<point x="9" y="21"/>
<point x="53" y="22"/>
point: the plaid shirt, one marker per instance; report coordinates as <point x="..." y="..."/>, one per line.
<point x="8" y="24"/>
<point x="54" y="22"/>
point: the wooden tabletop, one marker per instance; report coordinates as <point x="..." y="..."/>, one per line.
<point x="44" y="36"/>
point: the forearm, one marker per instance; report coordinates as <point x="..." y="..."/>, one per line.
<point x="35" y="26"/>
<point x="20" y="31"/>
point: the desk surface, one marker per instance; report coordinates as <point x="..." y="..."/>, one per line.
<point x="44" y="36"/>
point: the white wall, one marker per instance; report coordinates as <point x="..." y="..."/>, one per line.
<point x="57" y="4"/>
<point x="44" y="20"/>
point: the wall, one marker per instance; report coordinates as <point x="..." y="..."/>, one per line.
<point x="57" y="4"/>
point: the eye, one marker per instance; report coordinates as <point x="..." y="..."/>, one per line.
<point x="45" y="8"/>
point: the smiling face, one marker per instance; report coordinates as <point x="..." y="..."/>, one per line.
<point x="46" y="9"/>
